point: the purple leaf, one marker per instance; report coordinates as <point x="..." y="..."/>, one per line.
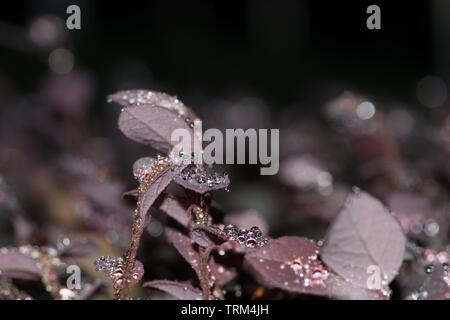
<point x="176" y="208"/>
<point x="304" y="172"/>
<point x="14" y="264"/>
<point x="199" y="179"/>
<point x="320" y="206"/>
<point x="208" y="235"/>
<point x="162" y="172"/>
<point x="201" y="237"/>
<point x="90" y="289"/>
<point x="292" y="264"/>
<point x="178" y="290"/>
<point x="77" y="249"/>
<point x="151" y="117"/>
<point x="364" y="234"/>
<point x="185" y="247"/>
<point x="413" y="211"/>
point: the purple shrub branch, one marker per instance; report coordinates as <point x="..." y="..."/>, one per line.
<point x="362" y="231"/>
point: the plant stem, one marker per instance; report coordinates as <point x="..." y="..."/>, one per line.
<point x="204" y="272"/>
<point x="137" y="230"/>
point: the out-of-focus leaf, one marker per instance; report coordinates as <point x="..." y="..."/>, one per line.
<point x="14" y="264"/>
<point x="90" y="289"/>
<point x="178" y="290"/>
<point x="414" y="211"/>
<point x="304" y="172"/>
<point x="364" y="234"/>
<point x="292" y="264"/>
<point x="208" y="236"/>
<point x="185" y="247"/>
<point x="324" y="206"/>
<point x="176" y="208"/>
<point x="78" y="249"/>
<point x="201" y="238"/>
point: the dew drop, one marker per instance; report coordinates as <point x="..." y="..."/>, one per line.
<point x="356" y="190"/>
<point x="429" y="269"/>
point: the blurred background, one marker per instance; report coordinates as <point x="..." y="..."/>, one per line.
<point x="355" y="107"/>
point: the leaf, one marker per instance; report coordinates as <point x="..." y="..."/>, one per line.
<point x="292" y="264"/>
<point x="201" y="237"/>
<point x="14" y="264"/>
<point x="412" y="211"/>
<point x="364" y="234"/>
<point x="160" y="183"/>
<point x="90" y="289"/>
<point x="322" y="206"/>
<point x="152" y="126"/>
<point x="151" y="117"/>
<point x="304" y="172"/>
<point x="181" y="291"/>
<point x="78" y="249"/>
<point x="207" y="236"/>
<point x="185" y="247"/>
<point x="176" y="208"/>
<point x="199" y="179"/>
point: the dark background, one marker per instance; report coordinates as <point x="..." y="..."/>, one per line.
<point x="281" y="50"/>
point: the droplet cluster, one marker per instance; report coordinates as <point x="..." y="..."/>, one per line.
<point x="252" y="238"/>
<point x="432" y="256"/>
<point x="437" y="282"/>
<point x="145" y="170"/>
<point x="310" y="271"/>
<point x="145" y="97"/>
<point x="198" y="178"/>
<point x="113" y="267"/>
<point x="142" y="168"/>
<point x="434" y="259"/>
